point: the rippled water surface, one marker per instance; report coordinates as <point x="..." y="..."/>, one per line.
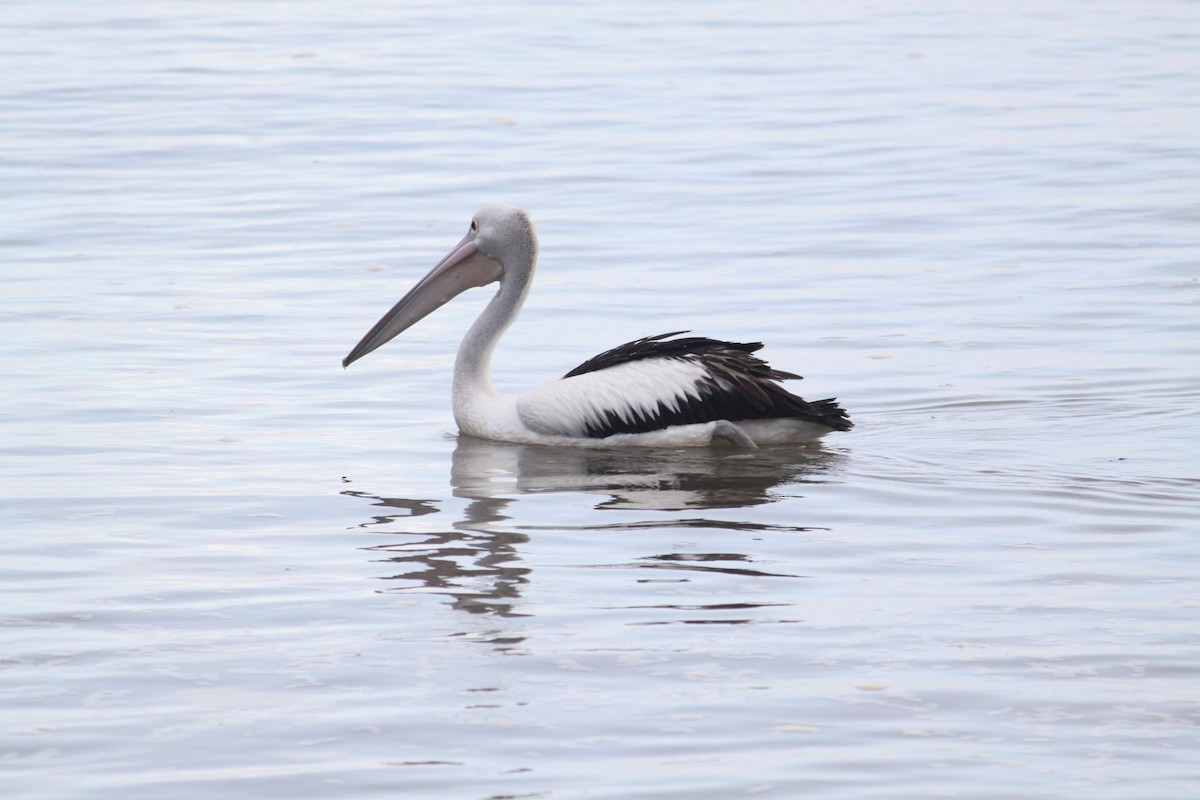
<point x="232" y="569"/>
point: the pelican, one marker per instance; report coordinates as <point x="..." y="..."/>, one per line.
<point x="660" y="391"/>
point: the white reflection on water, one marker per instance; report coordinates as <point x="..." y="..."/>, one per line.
<point x="663" y="480"/>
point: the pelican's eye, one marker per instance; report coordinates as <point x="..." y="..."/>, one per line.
<point x="474" y="227"/>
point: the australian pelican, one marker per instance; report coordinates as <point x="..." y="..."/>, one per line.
<point x="661" y="391"/>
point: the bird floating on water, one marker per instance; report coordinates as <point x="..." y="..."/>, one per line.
<point x="660" y="391"/>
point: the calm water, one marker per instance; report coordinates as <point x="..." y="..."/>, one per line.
<point x="232" y="569"/>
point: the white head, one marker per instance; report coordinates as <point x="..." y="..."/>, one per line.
<point x="505" y="234"/>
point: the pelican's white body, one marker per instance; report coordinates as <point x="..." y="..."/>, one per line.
<point x="558" y="411"/>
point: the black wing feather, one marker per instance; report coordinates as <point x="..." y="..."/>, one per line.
<point x="739" y="386"/>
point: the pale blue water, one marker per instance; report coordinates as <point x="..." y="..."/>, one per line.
<point x="230" y="568"/>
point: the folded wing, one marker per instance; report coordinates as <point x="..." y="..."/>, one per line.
<point x="658" y="382"/>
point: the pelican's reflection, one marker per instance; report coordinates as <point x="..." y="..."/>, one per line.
<point x="634" y="478"/>
<point x="475" y="559"/>
<point x="475" y="564"/>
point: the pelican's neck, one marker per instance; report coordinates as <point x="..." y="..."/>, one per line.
<point x="472" y="368"/>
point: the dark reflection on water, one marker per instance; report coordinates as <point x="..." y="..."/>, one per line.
<point x="475" y="565"/>
<point x="672" y="561"/>
<point x="658" y="480"/>
<point x="476" y="561"/>
<point x="481" y="571"/>
<point x="412" y="508"/>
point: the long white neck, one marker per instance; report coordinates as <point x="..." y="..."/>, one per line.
<point x="472" y="367"/>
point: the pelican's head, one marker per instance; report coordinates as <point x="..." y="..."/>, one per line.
<point x="500" y="241"/>
<point x="505" y="234"/>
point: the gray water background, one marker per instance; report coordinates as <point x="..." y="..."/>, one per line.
<point x="230" y="568"/>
